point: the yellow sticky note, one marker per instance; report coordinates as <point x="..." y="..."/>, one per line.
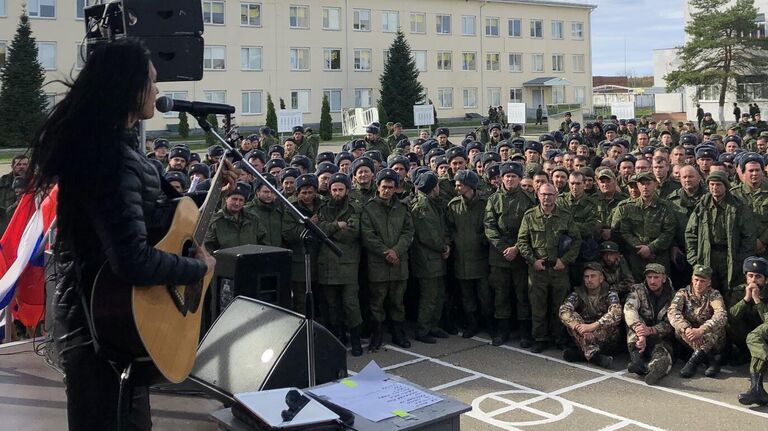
<point x="400" y="413"/>
<point x="349" y="383"/>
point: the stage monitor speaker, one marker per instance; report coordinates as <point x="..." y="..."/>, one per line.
<point x="163" y="18"/>
<point x="256" y="346"/>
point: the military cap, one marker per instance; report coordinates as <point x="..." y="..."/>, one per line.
<point x="665" y="132"/>
<point x="374" y="155"/>
<point x="305" y="180"/>
<point x="751" y="130"/>
<point x="645" y="176"/>
<point x="179" y="177"/>
<point x="567" y="114"/>
<point x="441" y="160"/>
<point x="706" y="152"/>
<point x="490" y="157"/>
<point x="359" y="163"/>
<point x="474" y="145"/>
<point x="727" y="157"/>
<point x="398" y="124"/>
<point x="426" y="182"/>
<point x="414" y="174"/>
<point x="605" y="173"/>
<point x="551" y="154"/>
<point x="558" y="136"/>
<point x="745" y="115"/>
<point x="511" y="168"/>
<point x="326" y="167"/>
<point x="240" y="164"/>
<point x="733" y="138"/>
<point x="494" y="126"/>
<point x="501" y="144"/>
<point x="485" y="122"/>
<point x="194" y="157"/>
<point x="200" y="168"/>
<point x="372" y="129"/>
<point x="546" y="137"/>
<point x="620" y="141"/>
<point x="477" y="158"/>
<point x="298" y="129"/>
<point x="274" y="163"/>
<point x="493" y="171"/>
<point x="376" y="124"/>
<point x="755" y="264"/>
<point x="517" y="127"/>
<point x="398" y="160"/>
<point x="690" y="151"/>
<point x="343" y="155"/>
<point x="289" y="173"/>
<point x="253" y="137"/>
<point x="471" y="133"/>
<point x="434" y="152"/>
<point x="340" y="177"/>
<point x="468" y="178"/>
<point x="506" y="134"/>
<point x="632" y="121"/>
<point x="609" y="247"/>
<point x="533" y="145"/>
<point x="707" y="114"/>
<point x="160" y="143"/>
<point x="454" y="152"/>
<point x="302" y="161"/>
<point x="442" y="131"/>
<point x="575" y="125"/>
<point x="719" y="176"/>
<point x="357" y="144"/>
<point x="428" y="146"/>
<point x="610" y="127"/>
<point x="751" y="157"/>
<point x="587" y="172"/>
<point x="180" y="151"/>
<point x="215" y="150"/>
<point x="689" y="139"/>
<point x="388" y="174"/>
<point x="734" y="126"/>
<point x="702" y="271"/>
<point x="243" y="189"/>
<point x="650" y="149"/>
<point x="414" y="158"/>
<point x="622" y="122"/>
<point x="268" y="178"/>
<point x="560" y="169"/>
<point x="652" y="121"/>
<point x="626" y="157"/>
<point x="265" y="130"/>
<point x="402" y="143"/>
<point x="576" y="137"/>
<point x="325" y="156"/>
<point x="594" y="266"/>
<point x="276" y="148"/>
<point x="656" y="268"/>
<point x="517" y="156"/>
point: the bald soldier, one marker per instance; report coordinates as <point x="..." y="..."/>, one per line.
<point x="751" y="309"/>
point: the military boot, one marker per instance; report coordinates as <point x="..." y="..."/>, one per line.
<point x="502" y="332"/>
<point x="756" y="393"/>
<point x="377" y="337"/>
<point x="714" y="365"/>
<point x="690" y="367"/>
<point x="354" y="340"/>
<point x="526" y="341"/>
<point x="472" y="326"/>
<point x="573" y="354"/>
<point x="658" y="368"/>
<point x="602" y="361"/>
<point x="398" y="335"/>
<point x="636" y="362"/>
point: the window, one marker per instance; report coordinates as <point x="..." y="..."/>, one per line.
<point x="445" y="98"/>
<point x="299" y="58"/>
<point x="516" y="95"/>
<point x="176" y="95"/>
<point x="300" y="100"/>
<point x="41" y="8"/>
<point x="420" y="57"/>
<point x="3" y="51"/>
<point x="577" y="30"/>
<point x="251" y="102"/>
<point x="385" y="57"/>
<point x="578" y="62"/>
<point x="250" y="14"/>
<point x="444" y="60"/>
<point x="468" y="61"/>
<point x="443" y="24"/>
<point x="493" y="62"/>
<point x="424" y="98"/>
<point x="514" y="27"/>
<point x="390" y="21"/>
<point x="515" y="62"/>
<point x="557" y="29"/>
<point x="494" y="96"/>
<point x="492" y="27"/>
<point x="334" y="99"/>
<point x="215" y="96"/>
<point x="2" y="8"/>
<point x="250" y="58"/>
<point x="362" y="20"/>
<point x="213" y="12"/>
<point x="298" y="17"/>
<point x="46" y="55"/>
<point x="331" y="18"/>
<point x="332" y="59"/>
<point x="80" y="56"/>
<point x="214" y="58"/>
<point x="418" y="22"/>
<point x="558" y="63"/>
<point x="363" y="97"/>
<point x="709" y="92"/>
<point x="470" y="97"/>
<point x="578" y="94"/>
<point x="751" y="88"/>
<point x="468" y="25"/>
<point x="537" y="28"/>
<point x="79" y="6"/>
<point x="363" y="60"/>
<point x="558" y="94"/>
<point x="537" y="61"/>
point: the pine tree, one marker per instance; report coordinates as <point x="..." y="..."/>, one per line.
<point x="282" y="103"/>
<point x="271" y="115"/>
<point x="326" y="122"/>
<point x="400" y="86"/>
<point x="22" y="100"/>
<point x="213" y="120"/>
<point x="183" y="125"/>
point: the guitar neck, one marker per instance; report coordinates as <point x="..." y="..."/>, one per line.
<point x="209" y="206"/>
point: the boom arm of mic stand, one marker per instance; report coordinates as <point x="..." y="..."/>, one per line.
<point x="301" y="218"/>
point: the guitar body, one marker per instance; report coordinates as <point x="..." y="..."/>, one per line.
<point x="145" y="321"/>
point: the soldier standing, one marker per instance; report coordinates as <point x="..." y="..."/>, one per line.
<point x="363" y="187"/>
<point x="267" y="212"/>
<point x="231" y="226"/>
<point x="753" y="190"/>
<point x="374" y="142"/>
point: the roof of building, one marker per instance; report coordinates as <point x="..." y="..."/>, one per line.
<point x="549" y="81"/>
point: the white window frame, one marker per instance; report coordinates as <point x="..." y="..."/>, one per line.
<point x="490" y="26"/>
<point x="362" y="95"/>
<point x="533" y="25"/>
<point x="245" y="61"/>
<point x="519" y="27"/>
<point x="494" y="96"/>
<point x="577" y="30"/>
<point x="440" y="21"/>
<point x="208" y="18"/>
<point x="515" y="66"/>
<point x="469" y="64"/>
<point x="359" y="23"/>
<point x="327" y="59"/>
<point x="211" y="49"/>
<point x="469" y="93"/>
<point x="493" y="62"/>
<point x="80" y="55"/>
<point x="358" y="65"/>
<point x="297" y="104"/>
<point x="422" y="53"/>
<point x="558" y="29"/>
<point x="513" y="95"/>
<point x="246" y="110"/>
<point x="213" y="96"/>
<point x="441" y="61"/>
<point x="534" y="68"/>
<point x="55" y="54"/>
<point x="295" y="59"/>
<point x="79" y="11"/>
<point x="708" y="93"/>
<point x="579" y="94"/>
<point x="558" y="94"/>
<point x="444" y="94"/>
<point x="466" y="21"/>
<point x="415" y="23"/>
<point x="327" y="24"/>
<point x="247" y="6"/>
<point x="558" y="63"/>
<point x="329" y="92"/>
<point x="386" y="23"/>
<point x="579" y="63"/>
<point x="293" y="13"/>
<point x="33" y="9"/>
<point x="177" y="95"/>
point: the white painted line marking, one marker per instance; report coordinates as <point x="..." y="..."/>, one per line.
<point x="455" y="383"/>
<point x="403" y="364"/>
<point x="616" y="426"/>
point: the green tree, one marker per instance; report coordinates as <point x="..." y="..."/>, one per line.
<point x="722" y="49"/>
<point x="271" y="115"/>
<point x="213" y="120"/>
<point x="183" y="125"/>
<point x="400" y="86"/>
<point x="22" y="100"/>
<point x="326" y="122"/>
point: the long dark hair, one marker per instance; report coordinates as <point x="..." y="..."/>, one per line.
<point x="79" y="141"/>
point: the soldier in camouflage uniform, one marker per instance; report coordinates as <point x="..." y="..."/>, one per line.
<point x="396" y="136"/>
<point x="592" y="314"/>
<point x="699" y="317"/>
<point x="616" y="269"/>
<point x="753" y="190"/>
<point x="268" y="212"/>
<point x="752" y="310"/>
<point x="607" y="200"/>
<point x="549" y="243"/>
<point x="374" y="142"/>
<point x="231" y="226"/>
<point x="267" y="140"/>
<point x="649" y="333"/>
<point x="363" y="186"/>
<point x="583" y="209"/>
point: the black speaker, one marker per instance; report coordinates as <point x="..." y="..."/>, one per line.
<point x="256" y="271"/>
<point x="257" y="346"/>
<point x="163" y="18"/>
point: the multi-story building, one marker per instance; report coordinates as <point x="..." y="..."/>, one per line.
<point x="471" y="54"/>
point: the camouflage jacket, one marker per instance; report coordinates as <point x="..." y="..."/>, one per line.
<point x="690" y="311"/>
<point x="619" y="277"/>
<point x="640" y="309"/>
<point x="503" y="215"/>
<point x="584" y="212"/>
<point x="603" y="308"/>
<point x="541" y="236"/>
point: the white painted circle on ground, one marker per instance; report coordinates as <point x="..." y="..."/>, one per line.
<point x="490" y="417"/>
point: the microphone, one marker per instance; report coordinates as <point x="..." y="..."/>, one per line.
<point x="167" y="104"/>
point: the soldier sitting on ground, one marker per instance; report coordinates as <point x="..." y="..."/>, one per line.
<point x="752" y="309"/>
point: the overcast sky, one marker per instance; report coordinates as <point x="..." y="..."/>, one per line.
<point x="645" y="24"/>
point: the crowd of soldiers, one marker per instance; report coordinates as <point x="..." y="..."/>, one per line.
<point x="617" y="236"/>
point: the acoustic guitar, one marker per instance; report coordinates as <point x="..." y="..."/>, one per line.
<point x="157" y="327"/>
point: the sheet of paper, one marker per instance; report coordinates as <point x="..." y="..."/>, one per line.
<point x="375" y="396"/>
<point x="268" y="405"/>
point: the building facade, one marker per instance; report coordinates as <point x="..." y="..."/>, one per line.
<point x="471" y="54"/>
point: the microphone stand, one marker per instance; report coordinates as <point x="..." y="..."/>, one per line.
<point x="310" y="234"/>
